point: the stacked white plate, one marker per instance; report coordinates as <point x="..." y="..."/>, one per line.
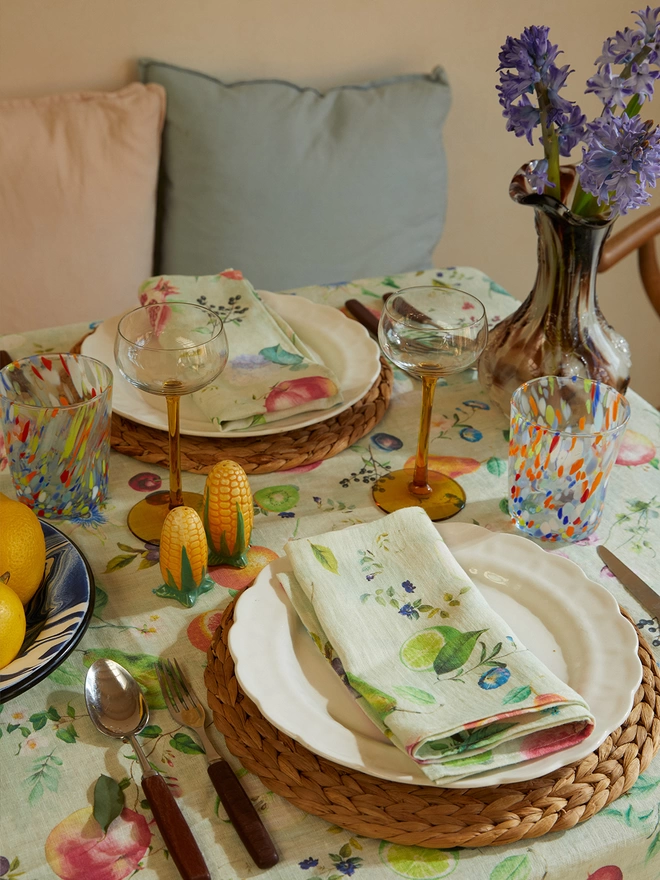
<point x="572" y="624"/>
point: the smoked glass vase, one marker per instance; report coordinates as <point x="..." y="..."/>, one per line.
<point x="559" y="329"/>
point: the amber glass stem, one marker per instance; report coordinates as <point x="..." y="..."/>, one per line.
<point x="420" y="485"/>
<point x="176" y="495"/>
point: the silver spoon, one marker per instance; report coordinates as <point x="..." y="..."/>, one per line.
<point x="117" y="707"/>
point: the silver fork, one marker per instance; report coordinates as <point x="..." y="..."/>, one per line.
<point x="186" y="708"/>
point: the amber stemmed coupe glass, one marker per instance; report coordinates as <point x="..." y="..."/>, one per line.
<point x="429" y="332"/>
<point x="169" y="349"/>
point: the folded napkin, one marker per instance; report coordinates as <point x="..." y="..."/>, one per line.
<point x="270" y="373"/>
<point x="427" y="658"/>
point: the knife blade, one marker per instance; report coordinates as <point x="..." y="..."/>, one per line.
<point x="647" y="597"/>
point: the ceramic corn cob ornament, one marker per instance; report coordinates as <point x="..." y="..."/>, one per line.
<point x="228" y="514"/>
<point x="183" y="557"/>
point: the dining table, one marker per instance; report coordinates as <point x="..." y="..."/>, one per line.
<point x="51" y="755"/>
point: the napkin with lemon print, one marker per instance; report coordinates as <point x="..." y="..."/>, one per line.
<point x="427" y="658"/>
<point x="270" y="373"/>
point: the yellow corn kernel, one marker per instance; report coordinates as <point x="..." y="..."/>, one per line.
<point x="183" y="557"/>
<point x="228" y="514"/>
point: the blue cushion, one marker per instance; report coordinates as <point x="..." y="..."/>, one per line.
<point x="296" y="187"/>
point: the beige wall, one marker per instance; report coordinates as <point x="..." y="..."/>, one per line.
<point x="58" y="45"/>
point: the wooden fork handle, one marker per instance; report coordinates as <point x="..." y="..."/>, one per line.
<point x="243" y="815"/>
<point x="177" y="835"/>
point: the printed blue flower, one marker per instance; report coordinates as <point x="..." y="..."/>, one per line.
<point x="408" y="611"/>
<point x="471" y="434"/>
<point x="408" y="587"/>
<point x="348" y="866"/>
<point x="494" y="678"/>
<point x="308" y="863"/>
<point x="479" y="404"/>
<point x="370" y="577"/>
<point x="286" y="514"/>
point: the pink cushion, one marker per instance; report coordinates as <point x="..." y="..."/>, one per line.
<point x="78" y="177"/>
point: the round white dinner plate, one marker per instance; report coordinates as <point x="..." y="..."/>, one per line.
<point x="572" y="624"/>
<point x="341" y="344"/>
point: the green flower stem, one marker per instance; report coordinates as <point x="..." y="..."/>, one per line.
<point x="550" y="143"/>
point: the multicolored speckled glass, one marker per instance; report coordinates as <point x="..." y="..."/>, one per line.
<point x="565" y="436"/>
<point x="56" y="422"/>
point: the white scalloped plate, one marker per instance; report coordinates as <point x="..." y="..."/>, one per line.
<point x="571" y="623"/>
<point x="338" y="342"/>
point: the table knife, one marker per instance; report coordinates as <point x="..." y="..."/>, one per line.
<point x="646" y="597"/>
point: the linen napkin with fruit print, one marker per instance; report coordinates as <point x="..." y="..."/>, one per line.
<point x="270" y="373"/>
<point x="427" y="658"/>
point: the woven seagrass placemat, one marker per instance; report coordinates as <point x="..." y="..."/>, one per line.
<point x="424" y="815"/>
<point x="264" y="454"/>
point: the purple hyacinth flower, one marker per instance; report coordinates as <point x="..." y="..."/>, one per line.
<point x="641" y="81"/>
<point x="621" y="159"/>
<point x="537" y="176"/>
<point x="622" y="48"/>
<point x="522" y="118"/>
<point x="648" y="20"/>
<point x="612" y="89"/>
<point x="571" y="130"/>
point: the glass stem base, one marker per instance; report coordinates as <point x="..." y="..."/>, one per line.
<point x="393" y="492"/>
<point x="146" y="518"/>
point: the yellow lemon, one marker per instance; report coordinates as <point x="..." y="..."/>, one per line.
<point x="22" y="548"/>
<point x="12" y="625"/>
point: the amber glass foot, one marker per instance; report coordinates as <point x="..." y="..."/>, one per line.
<point x="146" y="519"/>
<point x="392" y="492"/>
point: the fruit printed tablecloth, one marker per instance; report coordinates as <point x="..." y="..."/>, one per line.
<point x="51" y="756"/>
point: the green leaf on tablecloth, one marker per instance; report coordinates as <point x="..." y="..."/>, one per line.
<point x="100" y="600"/>
<point x="26" y="731"/>
<point x="36" y="793"/>
<point x="12" y="727"/>
<point x="50" y="778"/>
<point x="183" y="743"/>
<point x="151" y="731"/>
<point x="127" y="549"/>
<point x="108" y="801"/>
<point x="345" y="851"/>
<point x="326" y="557"/>
<point x="415" y="695"/>
<point x="70" y="711"/>
<point x="496" y="466"/>
<point x="144" y="803"/>
<point x="146" y="563"/>
<point x="655" y="463"/>
<point x="506" y="432"/>
<point x="124" y="783"/>
<point x="504" y="506"/>
<point x="65" y="674"/>
<point x="517" y="695"/>
<point x="52" y="713"/>
<point x="118" y="562"/>
<point x="512" y="868"/>
<point x="644" y="784"/>
<point x="67" y="734"/>
<point x="654" y="848"/>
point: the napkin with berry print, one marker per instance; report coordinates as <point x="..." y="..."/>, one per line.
<point x="270" y="373"/>
<point x="426" y="657"/>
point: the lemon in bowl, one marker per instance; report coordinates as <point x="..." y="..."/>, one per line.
<point x="22" y="548"/>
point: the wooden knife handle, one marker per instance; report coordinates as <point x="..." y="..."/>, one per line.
<point x="243" y="815"/>
<point x="363" y="316"/>
<point x="177" y="835"/>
